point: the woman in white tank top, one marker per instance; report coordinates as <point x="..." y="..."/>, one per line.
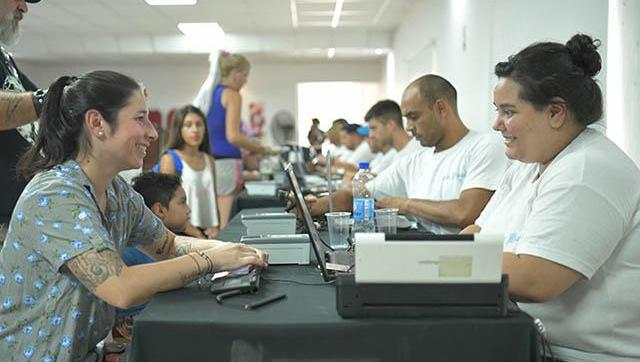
<point x="190" y="140"/>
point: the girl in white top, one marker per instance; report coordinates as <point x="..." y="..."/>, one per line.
<point x="568" y="205"/>
<point x="190" y="140"/>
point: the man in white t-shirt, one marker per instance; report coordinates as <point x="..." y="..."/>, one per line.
<point x="387" y="133"/>
<point x="447" y="184"/>
<point x="355" y="142"/>
<point x="332" y="142"/>
<point x="383" y="157"/>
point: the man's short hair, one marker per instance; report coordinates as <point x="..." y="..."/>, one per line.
<point x="432" y="87"/>
<point x="385" y="111"/>
<point x="351" y="128"/>
<point x="156" y="187"/>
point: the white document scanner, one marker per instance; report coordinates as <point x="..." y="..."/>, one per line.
<point x="269" y="223"/>
<point x="282" y="249"/>
<point x="450" y="259"/>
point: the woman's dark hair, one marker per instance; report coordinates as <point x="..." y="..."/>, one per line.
<point x="547" y="70"/>
<point x="175" y="137"/>
<point x="61" y="134"/>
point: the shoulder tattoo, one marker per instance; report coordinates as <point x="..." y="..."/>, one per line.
<point x="95" y="267"/>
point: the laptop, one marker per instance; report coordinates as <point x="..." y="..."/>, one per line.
<point x="341" y="261"/>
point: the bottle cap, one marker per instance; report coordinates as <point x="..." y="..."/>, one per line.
<point x="363" y="165"/>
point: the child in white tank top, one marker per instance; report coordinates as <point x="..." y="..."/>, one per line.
<point x="190" y="140"/>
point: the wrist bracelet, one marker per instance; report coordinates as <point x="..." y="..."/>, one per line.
<point x="37" y="97"/>
<point x="195" y="261"/>
<point x="208" y="259"/>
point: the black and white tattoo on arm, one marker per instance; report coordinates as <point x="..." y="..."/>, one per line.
<point x="162" y="249"/>
<point x="183" y="248"/>
<point x="13" y="105"/>
<point x="95" y="267"/>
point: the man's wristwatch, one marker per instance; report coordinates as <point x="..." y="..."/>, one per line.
<point x="38" y="100"/>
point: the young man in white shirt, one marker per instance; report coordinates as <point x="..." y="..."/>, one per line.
<point x="355" y="142"/>
<point x="388" y="134"/>
<point x="447" y="184"/>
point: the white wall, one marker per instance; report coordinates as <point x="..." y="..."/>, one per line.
<point x="273" y="83"/>
<point x="463" y="39"/>
<point x="169" y="85"/>
<point x="623" y="75"/>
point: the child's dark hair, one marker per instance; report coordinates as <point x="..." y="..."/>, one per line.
<point x="61" y="136"/>
<point x="156" y="187"/>
<point x="175" y="137"/>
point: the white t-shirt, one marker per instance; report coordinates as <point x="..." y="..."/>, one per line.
<point x="201" y="197"/>
<point x="342" y="152"/>
<point x="410" y="148"/>
<point x="382" y="161"/>
<point x="362" y="153"/>
<point x="476" y="161"/>
<point x="581" y="213"/>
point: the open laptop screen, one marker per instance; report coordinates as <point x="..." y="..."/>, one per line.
<point x="318" y="248"/>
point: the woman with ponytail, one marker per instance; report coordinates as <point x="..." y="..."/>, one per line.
<point x="225" y="137"/>
<point x="568" y="205"/>
<point x="61" y="272"/>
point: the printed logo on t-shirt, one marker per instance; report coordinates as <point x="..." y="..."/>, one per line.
<point x="459" y="176"/>
<point x="510" y="240"/>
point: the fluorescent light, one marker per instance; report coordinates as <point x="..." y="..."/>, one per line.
<point x="294" y="13"/>
<point x="331" y="52"/>
<point x="171" y="2"/>
<point x="210" y="31"/>
<point x="336" y="13"/>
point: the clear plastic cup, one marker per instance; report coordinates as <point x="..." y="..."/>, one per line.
<point x="387" y="220"/>
<point x="338" y="224"/>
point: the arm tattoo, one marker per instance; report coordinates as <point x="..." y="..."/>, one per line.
<point x="13" y="108"/>
<point x="94" y="268"/>
<point x="162" y="249"/>
<point x="183" y="248"/>
<point x="188" y="278"/>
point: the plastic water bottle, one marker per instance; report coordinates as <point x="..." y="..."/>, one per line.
<point x="362" y="201"/>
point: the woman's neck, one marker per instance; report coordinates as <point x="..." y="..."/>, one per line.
<point x="189" y="150"/>
<point x="99" y="175"/>
<point x="572" y="134"/>
<point x="227" y="83"/>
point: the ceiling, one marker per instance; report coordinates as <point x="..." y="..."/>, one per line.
<point x="131" y="30"/>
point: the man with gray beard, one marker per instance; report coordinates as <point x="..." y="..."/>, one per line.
<point x="20" y="103"/>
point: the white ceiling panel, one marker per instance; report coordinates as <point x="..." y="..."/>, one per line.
<point x="66" y="29"/>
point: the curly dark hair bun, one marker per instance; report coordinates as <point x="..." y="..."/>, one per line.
<point x="584" y="53"/>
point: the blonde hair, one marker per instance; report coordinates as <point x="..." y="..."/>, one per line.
<point x="228" y="62"/>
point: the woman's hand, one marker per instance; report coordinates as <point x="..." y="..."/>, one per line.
<point x="269" y="151"/>
<point x="211" y="232"/>
<point x="229" y="256"/>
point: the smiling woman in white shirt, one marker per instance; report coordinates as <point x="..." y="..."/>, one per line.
<point x="568" y="205"/>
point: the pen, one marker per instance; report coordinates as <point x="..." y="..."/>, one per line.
<point x="228" y="294"/>
<point x="260" y="303"/>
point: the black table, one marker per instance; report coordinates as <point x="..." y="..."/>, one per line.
<point x="188" y="325"/>
<point x="245" y="201"/>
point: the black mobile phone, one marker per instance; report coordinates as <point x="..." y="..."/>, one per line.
<point x="246" y="283"/>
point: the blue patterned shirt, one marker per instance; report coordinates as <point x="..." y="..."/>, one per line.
<point x="46" y="314"/>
